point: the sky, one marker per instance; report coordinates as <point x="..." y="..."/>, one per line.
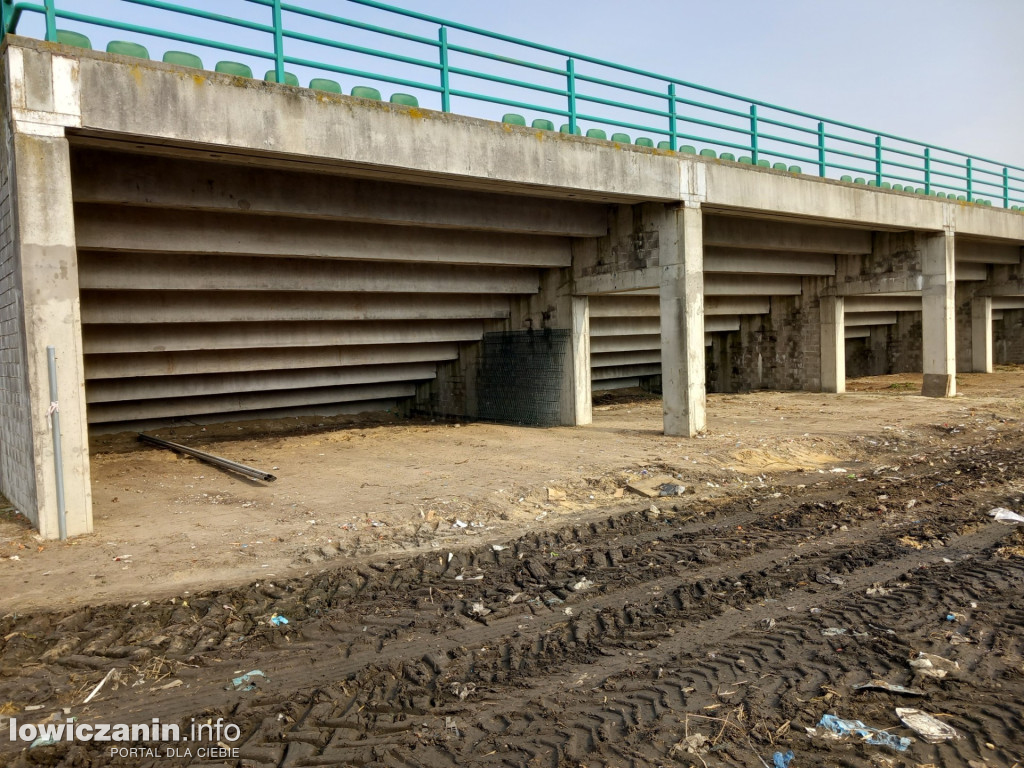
<point x="945" y="72"/>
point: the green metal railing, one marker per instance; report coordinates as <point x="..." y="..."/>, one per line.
<point x="450" y="63"/>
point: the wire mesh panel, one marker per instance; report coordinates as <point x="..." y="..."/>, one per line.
<point x="520" y="378"/>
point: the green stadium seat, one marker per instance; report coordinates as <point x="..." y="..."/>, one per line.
<point x="897" y="187"/>
<point x="289" y="78"/>
<point x="323" y="84"/>
<point x="620" y="138"/>
<point x="764" y="164"/>
<point x="643" y="141"/>
<point x="543" y="125"/>
<point x="688" y="149"/>
<point x="795" y="169"/>
<point x="941" y="195"/>
<point x="860" y="180"/>
<point x="665" y="145"/>
<point x="886" y="185"/>
<point x="124" y="48"/>
<point x="847" y="179"/>
<point x="962" y="198"/>
<point x="366" y="92"/>
<point x="920" y="191"/>
<point x="780" y="167"/>
<point x="233" y="68"/>
<point x="511" y="118"/>
<point x="76" y="39"/>
<point x="708" y="153"/>
<point x="746" y="160"/>
<point x="597" y="133"/>
<point x="405" y="99"/>
<point x="183" y="59"/>
<point x="872" y="183"/>
<point x="727" y="156"/>
<point x="565" y="129"/>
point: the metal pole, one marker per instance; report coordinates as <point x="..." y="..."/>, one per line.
<point x="1006" y="187"/>
<point x="209" y="458"/>
<point x="754" y="152"/>
<point x="878" y="161"/>
<point x="970" y="182"/>
<point x="927" y="170"/>
<point x="570" y="68"/>
<point x="58" y="461"/>
<point x="673" y="141"/>
<point x="278" y="43"/>
<point x="51" y="20"/>
<point x="821" y="150"/>
<point x="446" y="89"/>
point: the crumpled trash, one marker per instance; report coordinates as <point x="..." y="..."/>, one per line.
<point x="833" y="631"/>
<point x="933" y="731"/>
<point x="840" y="729"/>
<point x="278" y="620"/>
<point x="1003" y="515"/>
<point x="882" y="685"/>
<point x="930" y="665"/>
<point x="780" y="760"/>
<point x="671" y="489"/>
<point x="246" y="682"/>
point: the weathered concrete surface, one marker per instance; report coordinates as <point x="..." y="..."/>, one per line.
<point x="833" y="345"/>
<point x="682" y="320"/>
<point x="938" y="306"/>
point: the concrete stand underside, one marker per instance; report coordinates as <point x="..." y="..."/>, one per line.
<point x="200" y="246"/>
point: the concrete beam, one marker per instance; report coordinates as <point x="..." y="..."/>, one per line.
<point x="247" y="401"/>
<point x="648" y="326"/>
<point x="833" y="345"/>
<point x="580" y="379"/>
<point x="600" y="385"/>
<point x="766" y="262"/>
<point x="981" y="334"/>
<point x="137" y="180"/>
<point x="860" y="304"/>
<point x="1008" y="302"/>
<point x="855" y="319"/>
<point x="105" y="339"/>
<point x="981" y="252"/>
<point x="600" y="345"/>
<point x="969" y="271"/>
<point x="682" y="321"/>
<point x="857" y="333"/>
<point x="147" y="230"/>
<point x="172" y="272"/>
<point x="631" y="305"/>
<point x="763" y="234"/>
<point x="143" y="307"/>
<point x="626" y="371"/>
<point x="938" y="322"/>
<point x="160" y="387"/>
<point x="132" y="364"/>
<point x="749" y="285"/>
<point x="612" y="359"/>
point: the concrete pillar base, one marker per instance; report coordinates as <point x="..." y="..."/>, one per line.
<point x="939" y="385"/>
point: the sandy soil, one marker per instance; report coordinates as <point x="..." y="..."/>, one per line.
<point x="823" y="543"/>
<point x="165" y="523"/>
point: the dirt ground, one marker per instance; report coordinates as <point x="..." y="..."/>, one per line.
<point x="478" y="594"/>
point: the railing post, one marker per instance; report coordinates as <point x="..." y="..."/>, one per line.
<point x="878" y="161"/>
<point x="570" y="70"/>
<point x="278" y="43"/>
<point x="753" y="134"/>
<point x="51" y="20"/>
<point x="821" y="149"/>
<point x="5" y="14"/>
<point x="673" y="142"/>
<point x="927" y="170"/>
<point x="970" y="182"/>
<point x="446" y="89"/>
<point x="1006" y="187"/>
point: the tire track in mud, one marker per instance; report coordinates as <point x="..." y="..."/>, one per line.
<point x="384" y="653"/>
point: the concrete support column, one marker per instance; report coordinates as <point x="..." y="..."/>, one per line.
<point x="981" y="334"/>
<point x="938" y="321"/>
<point x="681" y="252"/>
<point x="833" y="344"/>
<point x="45" y="251"/>
<point x="582" y="401"/>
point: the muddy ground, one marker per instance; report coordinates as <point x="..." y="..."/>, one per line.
<point x="822" y="543"/>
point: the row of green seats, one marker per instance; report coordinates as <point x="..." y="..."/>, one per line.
<point x="542" y="124"/>
<point x="913" y="190"/>
<point x="182" y="59"/>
